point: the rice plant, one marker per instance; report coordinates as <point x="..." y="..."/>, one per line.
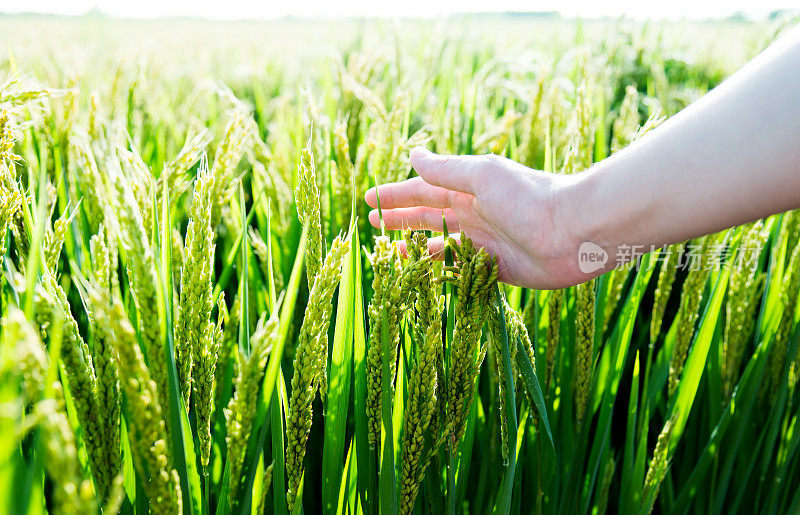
<point x="198" y="318"/>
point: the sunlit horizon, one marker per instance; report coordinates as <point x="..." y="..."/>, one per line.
<point x="244" y="10"/>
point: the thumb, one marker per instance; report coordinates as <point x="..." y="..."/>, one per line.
<point x="459" y="173"/>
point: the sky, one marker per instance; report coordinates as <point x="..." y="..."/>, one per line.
<point x="271" y="9"/>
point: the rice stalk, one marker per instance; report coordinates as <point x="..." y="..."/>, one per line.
<point x="10" y="203"/>
<point x="744" y="289"/>
<point x="496" y="338"/>
<point x="344" y="172"/>
<point x="84" y="170"/>
<point x="689" y="312"/>
<point x="145" y="418"/>
<point x="666" y="278"/>
<point x="193" y="329"/>
<point x="72" y="494"/>
<point x="384" y="316"/>
<point x="659" y="465"/>
<point x="421" y="403"/>
<point x="616" y="283"/>
<point x="124" y="212"/>
<point x="584" y="350"/>
<point x="265" y="486"/>
<point x="205" y="381"/>
<point x="308" y="210"/>
<point x="54" y="240"/>
<point x="52" y="311"/>
<point x="242" y="406"/>
<point x="105" y="361"/>
<point x="29" y="368"/>
<point x="555" y="303"/>
<point x="477" y="271"/>
<point x="605" y="485"/>
<point x="229" y="152"/>
<point x="310" y="364"/>
<point x="777" y="361"/>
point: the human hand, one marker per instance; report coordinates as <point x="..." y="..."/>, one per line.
<point x="520" y="215"/>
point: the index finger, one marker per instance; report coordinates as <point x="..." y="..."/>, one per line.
<point x="409" y="193"/>
<point x="459" y="173"/>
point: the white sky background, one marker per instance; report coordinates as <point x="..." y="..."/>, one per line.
<point x="271" y="9"/>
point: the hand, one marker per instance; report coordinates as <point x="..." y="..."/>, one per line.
<point x="516" y="213"/>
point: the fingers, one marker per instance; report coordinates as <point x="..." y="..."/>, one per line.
<point x="410" y="193"/>
<point x="459" y="173"/>
<point x="443" y="181"/>
<point x="416" y="218"/>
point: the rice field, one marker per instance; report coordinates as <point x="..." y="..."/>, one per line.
<point x="198" y="317"/>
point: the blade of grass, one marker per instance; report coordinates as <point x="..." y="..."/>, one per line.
<point x="364" y="462"/>
<point x="277" y="411"/>
<point x="739" y="409"/>
<point x="244" y="291"/>
<point x="531" y="383"/>
<point x="695" y="363"/>
<point x="503" y="504"/>
<point x="339" y="379"/>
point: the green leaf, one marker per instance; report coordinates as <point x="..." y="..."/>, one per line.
<point x="339" y="378"/>
<point x="630" y="495"/>
<point x="277" y="411"/>
<point x="388" y="482"/>
<point x="230" y="260"/>
<point x="244" y="305"/>
<point x="503" y="504"/>
<point x="531" y="383"/>
<point x="695" y="363"/>
<point x="364" y="462"/>
<point x="739" y="409"/>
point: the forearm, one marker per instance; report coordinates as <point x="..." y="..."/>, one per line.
<point x="731" y="157"/>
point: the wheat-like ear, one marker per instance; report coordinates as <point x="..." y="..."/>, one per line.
<point x="744" y="288"/>
<point x="192" y="332"/>
<point x="666" y="278"/>
<point x="242" y="406"/>
<point x="688" y="313"/>
<point x="71" y="492"/>
<point x="125" y="216"/>
<point x="384" y="327"/>
<point x="147" y="431"/>
<point x="307" y="198"/>
<point x="53" y="314"/>
<point x="477" y="272"/>
<point x="310" y="364"/>
<point x="422" y="385"/>
<point x="343" y="172"/>
<point x="790" y="285"/>
<point x="584" y="350"/>
<point x="229" y="153"/>
<point x="106" y="362"/>
<point x="659" y="464"/>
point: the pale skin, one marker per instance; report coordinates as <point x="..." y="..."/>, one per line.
<point x="730" y="158"/>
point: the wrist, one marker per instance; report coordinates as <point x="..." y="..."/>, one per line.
<point x="604" y="219"/>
